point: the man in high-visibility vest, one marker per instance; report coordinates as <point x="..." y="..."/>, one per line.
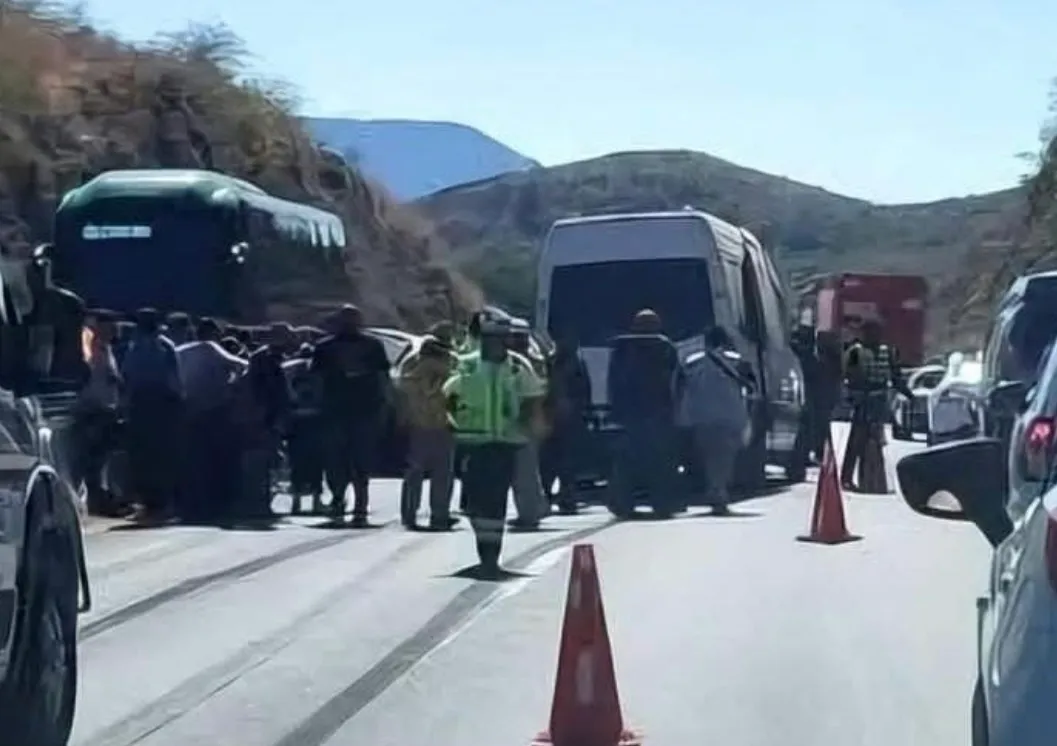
<point x="492" y="400"/>
<point x="870" y="367"/>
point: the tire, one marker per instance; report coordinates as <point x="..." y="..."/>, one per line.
<point x="40" y="693"/>
<point x="980" y="733"/>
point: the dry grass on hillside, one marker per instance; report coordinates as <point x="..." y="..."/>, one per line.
<point x="75" y="102"/>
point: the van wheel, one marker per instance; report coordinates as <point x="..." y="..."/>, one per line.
<point x="981" y="736"/>
<point x="39" y="695"/>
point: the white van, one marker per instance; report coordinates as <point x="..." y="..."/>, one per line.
<point x="695" y="271"/>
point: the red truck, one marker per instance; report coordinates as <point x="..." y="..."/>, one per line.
<point x="841" y="302"/>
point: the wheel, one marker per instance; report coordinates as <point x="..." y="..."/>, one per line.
<point x="981" y="736"/>
<point x="40" y="692"/>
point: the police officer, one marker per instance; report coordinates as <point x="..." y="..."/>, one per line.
<point x="493" y="401"/>
<point x="870" y="367"/>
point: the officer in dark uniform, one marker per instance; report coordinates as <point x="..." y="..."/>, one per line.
<point x="803" y="343"/>
<point x="870" y="367"/>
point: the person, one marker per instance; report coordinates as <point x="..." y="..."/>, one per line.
<point x="871" y="367"/>
<point x="302" y="440"/>
<point x="644" y="383"/>
<point x="472" y="340"/>
<point x="829" y="391"/>
<point x="57" y="317"/>
<point x="804" y="347"/>
<point x="153" y="395"/>
<point x="493" y="402"/>
<point x="530" y="500"/>
<point x="271" y="403"/>
<point x="568" y="400"/>
<point x="355" y="379"/>
<point x="209" y="374"/>
<point x="96" y="415"/>
<point x="179" y="328"/>
<point x="713" y="407"/>
<point x="432" y="445"/>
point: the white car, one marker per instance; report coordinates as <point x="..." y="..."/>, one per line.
<point x="954" y="406"/>
<point x="911" y="416"/>
<point x="1016" y="619"/>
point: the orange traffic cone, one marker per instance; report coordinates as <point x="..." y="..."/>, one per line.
<point x="586" y="709"/>
<point x="828" y="525"/>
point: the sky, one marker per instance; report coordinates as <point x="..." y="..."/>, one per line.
<point x="887" y="100"/>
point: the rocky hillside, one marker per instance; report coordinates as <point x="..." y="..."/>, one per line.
<point x="75" y="102"/>
<point x="495" y="226"/>
<point x="412" y="158"/>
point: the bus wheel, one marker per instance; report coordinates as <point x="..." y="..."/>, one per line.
<point x="40" y="693"/>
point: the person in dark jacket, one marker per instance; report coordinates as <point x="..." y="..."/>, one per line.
<point x="271" y="404"/>
<point x="154" y="397"/>
<point x="644" y="384"/>
<point x="566" y="406"/>
<point x="830" y="384"/>
<point x="356" y="394"/>
<point x="811" y="416"/>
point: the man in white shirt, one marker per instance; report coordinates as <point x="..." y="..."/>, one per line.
<point x="209" y="373"/>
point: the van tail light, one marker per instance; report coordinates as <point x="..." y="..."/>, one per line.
<point x="1038" y="445"/>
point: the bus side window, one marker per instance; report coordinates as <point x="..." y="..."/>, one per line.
<point x="754" y="320"/>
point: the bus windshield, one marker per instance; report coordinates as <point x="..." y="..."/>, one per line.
<point x="127" y="254"/>
<point x="592" y="303"/>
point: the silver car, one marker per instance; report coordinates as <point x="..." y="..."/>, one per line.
<point x="1016" y="617"/>
<point x="954" y="407"/>
<point x="910" y="415"/>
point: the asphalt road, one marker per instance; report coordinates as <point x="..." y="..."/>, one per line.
<point x="725" y="631"/>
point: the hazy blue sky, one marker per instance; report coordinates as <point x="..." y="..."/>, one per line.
<point x="891" y="100"/>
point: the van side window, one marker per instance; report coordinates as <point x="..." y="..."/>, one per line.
<point x="774" y="311"/>
<point x="732" y="276"/>
<point x="754" y="319"/>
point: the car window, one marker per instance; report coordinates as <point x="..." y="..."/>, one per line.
<point x="1033" y="330"/>
<point x="927" y="379"/>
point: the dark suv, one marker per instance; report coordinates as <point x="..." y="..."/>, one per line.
<point x="1024" y="327"/>
<point x="43" y="579"/>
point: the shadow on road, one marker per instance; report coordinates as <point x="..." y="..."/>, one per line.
<point x="474" y="572"/>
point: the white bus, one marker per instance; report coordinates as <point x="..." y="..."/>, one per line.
<point x="695" y="271"/>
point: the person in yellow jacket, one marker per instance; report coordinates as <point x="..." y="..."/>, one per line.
<point x="493" y="399"/>
<point x="431" y="448"/>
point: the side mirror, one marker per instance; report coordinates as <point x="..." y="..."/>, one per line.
<point x="1008" y="398"/>
<point x="962" y="481"/>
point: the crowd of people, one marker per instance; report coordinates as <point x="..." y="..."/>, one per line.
<point x="204" y="414"/>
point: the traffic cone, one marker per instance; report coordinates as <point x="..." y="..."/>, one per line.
<point x="828" y="525"/>
<point x="586" y="708"/>
<point x="873" y="474"/>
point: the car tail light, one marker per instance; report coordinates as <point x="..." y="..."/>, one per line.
<point x="1038" y="445"/>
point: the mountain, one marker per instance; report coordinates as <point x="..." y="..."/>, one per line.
<point x="75" y="101"/>
<point x="411" y="158"/>
<point x="495" y="226"/>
